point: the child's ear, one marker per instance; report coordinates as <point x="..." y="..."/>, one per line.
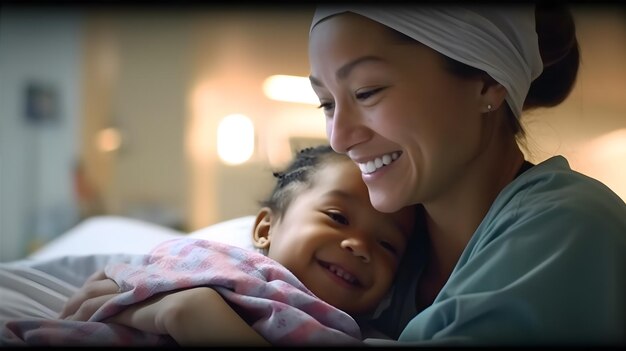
<point x="261" y="231"/>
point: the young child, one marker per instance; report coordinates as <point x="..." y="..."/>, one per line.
<point x="319" y="224"/>
<point x="320" y="209"/>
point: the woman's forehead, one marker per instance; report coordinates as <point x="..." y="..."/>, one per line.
<point x="338" y="42"/>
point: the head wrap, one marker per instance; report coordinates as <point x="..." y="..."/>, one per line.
<point x="500" y="40"/>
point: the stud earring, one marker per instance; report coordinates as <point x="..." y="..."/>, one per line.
<point x="489" y="107"/>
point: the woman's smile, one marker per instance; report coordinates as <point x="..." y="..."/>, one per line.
<point x="373" y="165"/>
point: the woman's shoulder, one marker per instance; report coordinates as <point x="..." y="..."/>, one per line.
<point x="552" y="200"/>
<point x="554" y="187"/>
<point x="555" y="174"/>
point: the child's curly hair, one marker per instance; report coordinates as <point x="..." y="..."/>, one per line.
<point x="298" y="176"/>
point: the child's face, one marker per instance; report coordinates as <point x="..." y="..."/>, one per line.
<point x="337" y="244"/>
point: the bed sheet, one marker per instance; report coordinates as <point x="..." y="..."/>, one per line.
<point x="38" y="285"/>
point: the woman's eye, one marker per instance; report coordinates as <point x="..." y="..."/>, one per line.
<point x="338" y="217"/>
<point x="367" y="94"/>
<point x="326" y="106"/>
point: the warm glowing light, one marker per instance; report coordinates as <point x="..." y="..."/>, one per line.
<point x="613" y="145"/>
<point x="603" y="158"/>
<point x="235" y="139"/>
<point x="108" y="139"/>
<point x="290" y="89"/>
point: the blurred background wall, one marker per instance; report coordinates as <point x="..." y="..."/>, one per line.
<point x="115" y="110"/>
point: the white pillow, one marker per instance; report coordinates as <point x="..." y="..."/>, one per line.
<point x="237" y="232"/>
<point x="123" y="235"/>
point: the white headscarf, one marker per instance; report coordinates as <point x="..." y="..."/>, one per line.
<point x="500" y="40"/>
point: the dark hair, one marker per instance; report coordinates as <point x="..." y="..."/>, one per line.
<point x="298" y="176"/>
<point x="558" y="46"/>
<point x="560" y="54"/>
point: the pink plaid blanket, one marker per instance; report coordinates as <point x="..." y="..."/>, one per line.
<point x="274" y="302"/>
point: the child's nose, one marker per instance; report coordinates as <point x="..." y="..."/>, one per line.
<point x="358" y="248"/>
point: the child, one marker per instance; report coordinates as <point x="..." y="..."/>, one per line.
<point x="319" y="224"/>
<point x="317" y="201"/>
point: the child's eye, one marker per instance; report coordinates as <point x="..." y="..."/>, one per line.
<point x="389" y="247"/>
<point x="338" y="217"/>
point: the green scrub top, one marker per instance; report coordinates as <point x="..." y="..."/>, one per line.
<point x="547" y="266"/>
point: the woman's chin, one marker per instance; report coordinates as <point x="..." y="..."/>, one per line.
<point x="384" y="203"/>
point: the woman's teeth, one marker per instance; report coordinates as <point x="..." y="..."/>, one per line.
<point x="378" y="162"/>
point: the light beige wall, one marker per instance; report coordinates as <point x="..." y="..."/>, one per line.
<point x="166" y="79"/>
<point x="100" y="69"/>
<point x="234" y="52"/>
<point x="137" y="75"/>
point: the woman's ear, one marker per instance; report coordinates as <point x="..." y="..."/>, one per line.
<point x="261" y="231"/>
<point x="492" y="95"/>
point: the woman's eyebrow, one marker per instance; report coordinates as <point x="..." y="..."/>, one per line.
<point x="344" y="71"/>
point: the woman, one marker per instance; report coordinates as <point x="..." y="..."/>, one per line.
<point x="427" y="100"/>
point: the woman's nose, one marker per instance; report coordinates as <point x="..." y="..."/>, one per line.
<point x="357" y="247"/>
<point x="345" y="130"/>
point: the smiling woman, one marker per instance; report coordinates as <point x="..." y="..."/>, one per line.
<point x="444" y="88"/>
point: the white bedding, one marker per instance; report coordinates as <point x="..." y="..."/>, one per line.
<point x="38" y="285"/>
<point x="116" y="235"/>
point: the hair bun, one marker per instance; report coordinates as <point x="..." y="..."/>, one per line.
<point x="556" y="33"/>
